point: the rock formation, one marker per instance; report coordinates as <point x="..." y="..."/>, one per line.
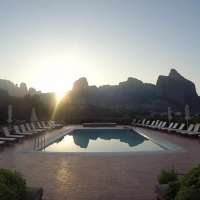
<point x="172" y="90"/>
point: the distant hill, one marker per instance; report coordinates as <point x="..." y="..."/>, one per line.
<point x="85" y="103"/>
<point x="13" y="89"/>
<point x="173" y="90"/>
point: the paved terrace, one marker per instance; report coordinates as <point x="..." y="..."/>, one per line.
<point x="81" y="177"/>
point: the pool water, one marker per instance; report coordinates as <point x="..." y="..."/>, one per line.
<point x="103" y="140"/>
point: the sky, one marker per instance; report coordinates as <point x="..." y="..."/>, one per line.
<point x="49" y="44"/>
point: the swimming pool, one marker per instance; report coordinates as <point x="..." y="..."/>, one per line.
<point x="103" y="140"/>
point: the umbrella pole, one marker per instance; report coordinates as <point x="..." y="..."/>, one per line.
<point x="9" y="125"/>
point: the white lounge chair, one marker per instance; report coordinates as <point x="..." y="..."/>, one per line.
<point x="151" y="124"/>
<point x="184" y="132"/>
<point x="41" y="127"/>
<point x="133" y="122"/>
<point x="17" y="131"/>
<point x="144" y="121"/>
<point x="32" y="130"/>
<point x="166" y="128"/>
<point x="181" y="127"/>
<point x="138" y="123"/>
<point x="147" y="123"/>
<point x="174" y="127"/>
<point x="37" y="129"/>
<point x="159" y="125"/>
<point x="155" y="125"/>
<point x="7" y="139"/>
<point x="9" y="135"/>
<point x="195" y="131"/>
<point x="53" y="127"/>
<point x="24" y="130"/>
<point x="57" y="125"/>
<point x="162" y="125"/>
<point x="45" y="126"/>
<point x="2" y="142"/>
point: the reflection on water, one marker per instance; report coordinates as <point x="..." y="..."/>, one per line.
<point x="106" y="140"/>
<point x="82" y="139"/>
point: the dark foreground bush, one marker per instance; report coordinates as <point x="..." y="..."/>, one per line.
<point x="172" y="190"/>
<point x="190" y="185"/>
<point x="12" y="185"/>
<point x="167" y="176"/>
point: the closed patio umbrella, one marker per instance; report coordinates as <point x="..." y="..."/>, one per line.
<point x="187" y="114"/>
<point x="9" y="114"/>
<point x="169" y="114"/>
<point x="33" y="115"/>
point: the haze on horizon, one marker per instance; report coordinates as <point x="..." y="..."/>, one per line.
<point x="49" y="44"/>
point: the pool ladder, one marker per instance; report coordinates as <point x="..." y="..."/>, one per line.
<point x="39" y="143"/>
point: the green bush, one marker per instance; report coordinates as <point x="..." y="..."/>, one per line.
<point x="172" y="190"/>
<point x="167" y="176"/>
<point x="188" y="193"/>
<point x="12" y="185"/>
<point x="190" y="185"/>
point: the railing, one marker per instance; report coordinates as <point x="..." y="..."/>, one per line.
<point x="39" y="143"/>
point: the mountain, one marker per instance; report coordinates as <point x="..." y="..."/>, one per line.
<point x="13" y="89"/>
<point x="173" y="90"/>
<point x="176" y="88"/>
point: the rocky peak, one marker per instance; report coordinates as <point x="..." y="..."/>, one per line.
<point x="80" y="84"/>
<point x="175" y="75"/>
<point x="176" y="88"/>
<point x="131" y="82"/>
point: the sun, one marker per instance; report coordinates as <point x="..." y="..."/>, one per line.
<point x="57" y="71"/>
<point x="60" y="95"/>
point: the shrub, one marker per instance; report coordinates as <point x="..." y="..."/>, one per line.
<point x="166" y="177"/>
<point x="190" y="185"/>
<point x="188" y="193"/>
<point x="172" y="190"/>
<point x="12" y="185"/>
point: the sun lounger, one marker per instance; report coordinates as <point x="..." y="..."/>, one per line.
<point x="181" y="127"/>
<point x="17" y="131"/>
<point x="57" y="125"/>
<point x="155" y="125"/>
<point x="24" y="130"/>
<point x="142" y="124"/>
<point x="37" y="129"/>
<point x="7" y="133"/>
<point x="147" y="123"/>
<point x="138" y="123"/>
<point x="183" y="132"/>
<point x="174" y="127"/>
<point x="151" y="124"/>
<point x="162" y="125"/>
<point x="52" y="126"/>
<point x="195" y="131"/>
<point x="133" y="122"/>
<point x="44" y="125"/>
<point x="169" y="127"/>
<point x="41" y="127"/>
<point x="32" y="130"/>
<point x="159" y="125"/>
<point x="7" y="139"/>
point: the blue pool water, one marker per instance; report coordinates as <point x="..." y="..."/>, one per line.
<point x="103" y="140"/>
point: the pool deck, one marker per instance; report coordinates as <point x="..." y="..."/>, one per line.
<point x="91" y="176"/>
